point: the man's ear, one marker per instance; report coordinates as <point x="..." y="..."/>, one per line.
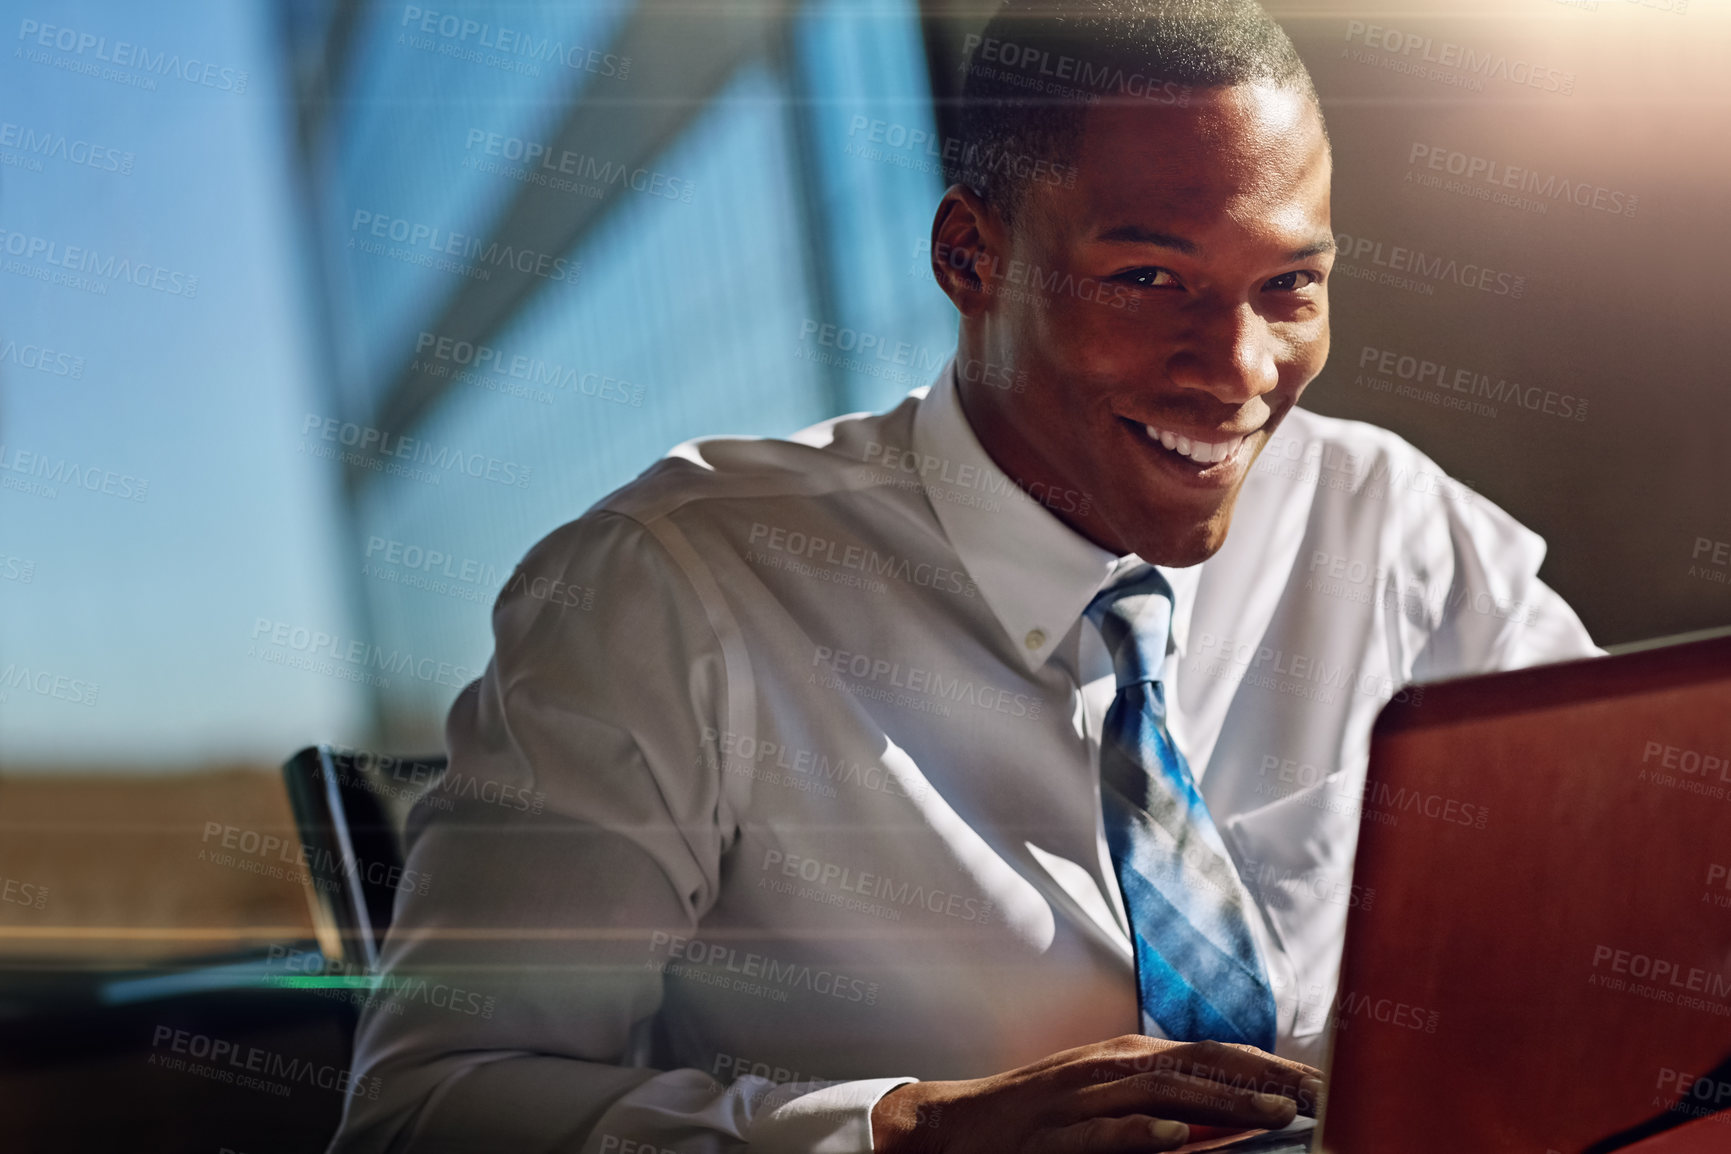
<point x="964" y="256"/>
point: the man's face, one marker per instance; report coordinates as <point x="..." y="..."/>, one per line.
<point x="1178" y="286"/>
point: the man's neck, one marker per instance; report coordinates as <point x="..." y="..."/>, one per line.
<point x="1022" y="464"/>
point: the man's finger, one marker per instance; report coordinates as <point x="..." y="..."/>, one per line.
<point x="1184" y="1096"/>
<point x="1234" y="1065"/>
<point x="1128" y="1135"/>
<point x="1288" y="1063"/>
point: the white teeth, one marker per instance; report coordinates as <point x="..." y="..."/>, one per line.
<point x="1202" y="452"/>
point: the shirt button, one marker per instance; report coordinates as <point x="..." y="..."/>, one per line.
<point x="1035" y="638"/>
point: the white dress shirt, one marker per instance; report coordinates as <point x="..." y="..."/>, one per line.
<point x="810" y="730"/>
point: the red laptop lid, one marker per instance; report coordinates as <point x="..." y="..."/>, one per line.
<point x="1547" y="967"/>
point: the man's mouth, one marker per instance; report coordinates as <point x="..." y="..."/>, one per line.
<point x="1207" y="454"/>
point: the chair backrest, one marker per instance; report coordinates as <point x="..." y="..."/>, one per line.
<point x="352" y="841"/>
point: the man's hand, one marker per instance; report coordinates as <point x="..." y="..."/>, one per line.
<point x="1132" y="1093"/>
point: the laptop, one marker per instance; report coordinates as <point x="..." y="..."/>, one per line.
<point x="1547" y="966"/>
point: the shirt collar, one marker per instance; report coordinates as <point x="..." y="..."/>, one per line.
<point x="1035" y="572"/>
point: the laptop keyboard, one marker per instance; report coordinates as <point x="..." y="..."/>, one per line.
<point x="1292" y="1140"/>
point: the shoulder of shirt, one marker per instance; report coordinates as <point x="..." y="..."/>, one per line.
<point x="1359" y="437"/>
<point x="818" y="461"/>
<point x="1357" y="456"/>
<point x="1367" y="471"/>
<point x="829" y="458"/>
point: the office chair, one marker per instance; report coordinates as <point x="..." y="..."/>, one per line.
<point x="348" y="807"/>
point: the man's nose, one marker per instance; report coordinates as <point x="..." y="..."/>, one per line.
<point x="1229" y="353"/>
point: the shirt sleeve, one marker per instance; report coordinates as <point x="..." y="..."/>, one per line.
<point x="1497" y="613"/>
<point x="578" y="824"/>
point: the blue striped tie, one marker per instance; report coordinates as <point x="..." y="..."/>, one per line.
<point x="1198" y="971"/>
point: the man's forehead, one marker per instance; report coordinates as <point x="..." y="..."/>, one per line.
<point x="1157" y="175"/>
<point x="1284" y="109"/>
<point x="1296" y="232"/>
<point x="1234" y="135"/>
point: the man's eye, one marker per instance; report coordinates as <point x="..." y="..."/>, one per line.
<point x="1291" y="282"/>
<point x="1151" y="278"/>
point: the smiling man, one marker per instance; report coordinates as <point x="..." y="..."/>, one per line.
<point x="983" y="775"/>
<point x="1210" y="223"/>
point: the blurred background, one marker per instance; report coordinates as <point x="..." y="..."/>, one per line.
<point x="314" y="316"/>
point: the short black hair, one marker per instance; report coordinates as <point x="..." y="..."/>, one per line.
<point x="1039" y="65"/>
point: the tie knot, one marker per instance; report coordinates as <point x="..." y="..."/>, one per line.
<point x="1134" y="617"/>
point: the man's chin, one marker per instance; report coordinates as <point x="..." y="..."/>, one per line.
<point x="1180" y="546"/>
<point x="1179" y="558"/>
